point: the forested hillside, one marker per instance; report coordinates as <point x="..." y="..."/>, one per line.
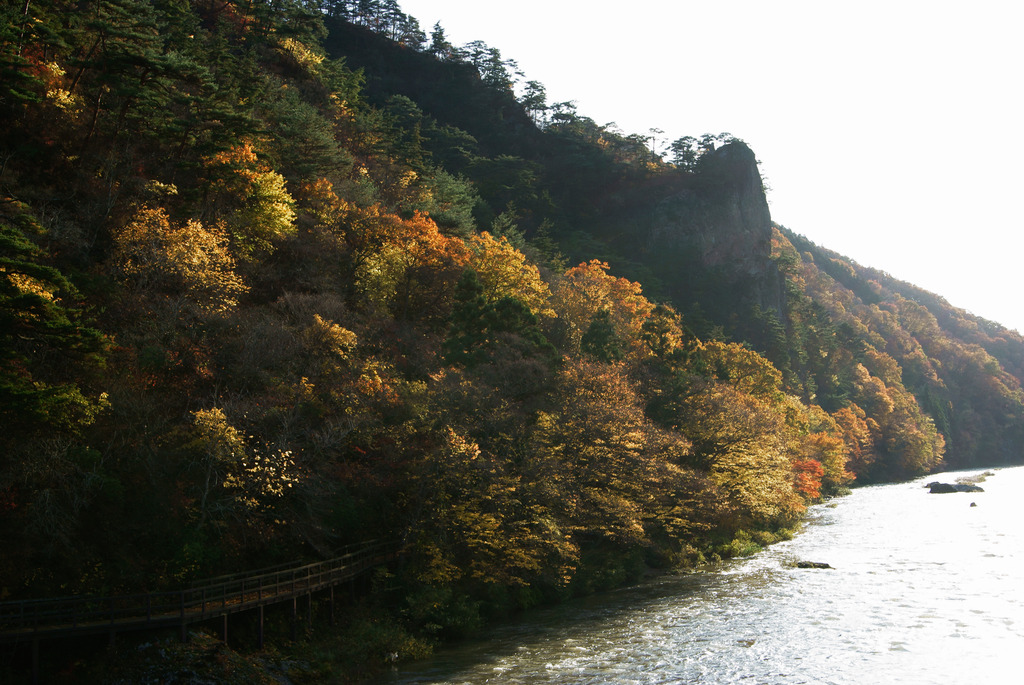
<point x="278" y="277"/>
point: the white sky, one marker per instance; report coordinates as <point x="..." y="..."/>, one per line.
<point x="889" y="131"/>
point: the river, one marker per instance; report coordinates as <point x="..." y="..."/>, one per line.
<point x="924" y="588"/>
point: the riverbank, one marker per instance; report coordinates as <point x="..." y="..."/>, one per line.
<point x="923" y="589"/>
<point x="371" y="635"/>
<point x="373" y="638"/>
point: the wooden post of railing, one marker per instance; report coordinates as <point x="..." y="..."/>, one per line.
<point x="184" y="631"/>
<point x="295" y="621"/>
<point x="332" y="606"/>
<point x="259" y="612"/>
<point x="259" y="630"/>
<point x="309" y="597"/>
<point x="113" y="632"/>
<point x="35" y="661"/>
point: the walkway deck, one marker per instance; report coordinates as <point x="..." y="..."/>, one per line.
<point x="216" y="597"/>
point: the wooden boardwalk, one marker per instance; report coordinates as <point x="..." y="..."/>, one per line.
<point x="32" y="620"/>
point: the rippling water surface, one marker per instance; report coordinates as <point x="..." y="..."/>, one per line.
<point x="924" y="589"/>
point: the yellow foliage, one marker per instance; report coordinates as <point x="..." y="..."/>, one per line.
<point x="27" y="284"/>
<point x="601" y="455"/>
<point x="191" y="259"/>
<point x="744" y="369"/>
<point x="254" y="476"/>
<point x="859" y="434"/>
<point x="744" y="443"/>
<point x="65" y="100"/>
<point x="872" y="393"/>
<point x="405" y="265"/>
<point x="476" y="524"/>
<point x="301" y="53"/>
<point x="504" y="272"/>
<point x="54" y="76"/>
<point x="329" y="343"/>
<point x="251" y="198"/>
<point x="328" y="338"/>
<point x="270" y="210"/>
<point x="884" y="367"/>
<point x="589" y="288"/>
<point x="319" y="199"/>
<point x="220" y="441"/>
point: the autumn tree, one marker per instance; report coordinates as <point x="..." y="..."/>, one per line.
<point x="474" y="519"/>
<point x="600" y="456"/>
<point x="503" y="271"/>
<point x="743" y="369"/>
<point x="727" y="400"/>
<point x="187" y="260"/>
<point x="480" y="327"/>
<point x="235" y="479"/>
<point x="818" y="452"/>
<point x="859" y="434"/>
<point x="413" y="270"/>
<point x="742" y="442"/>
<point x="587" y="293"/>
<point x="250" y="198"/>
<point x="663" y="335"/>
<point x="906" y="440"/>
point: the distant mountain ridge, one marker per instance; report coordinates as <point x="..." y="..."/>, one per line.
<point x="964" y="370"/>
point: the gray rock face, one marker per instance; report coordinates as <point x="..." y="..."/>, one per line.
<point x="723" y="220"/>
<point x="727" y="217"/>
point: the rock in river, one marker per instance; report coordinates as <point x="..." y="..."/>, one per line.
<point x="942" y="488"/>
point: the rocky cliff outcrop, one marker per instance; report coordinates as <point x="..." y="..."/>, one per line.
<point x="724" y="215"/>
<point x="719" y="222"/>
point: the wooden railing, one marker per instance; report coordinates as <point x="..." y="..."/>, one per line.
<point x="204" y="600"/>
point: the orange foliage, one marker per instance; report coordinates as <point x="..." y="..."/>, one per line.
<point x="859" y="435"/>
<point x="319" y="199"/>
<point x="250" y="197"/>
<point x="807" y="474"/>
<point x="588" y="289"/>
<point x="405" y="266"/>
<point x="414" y="268"/>
<point x="832" y="452"/>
